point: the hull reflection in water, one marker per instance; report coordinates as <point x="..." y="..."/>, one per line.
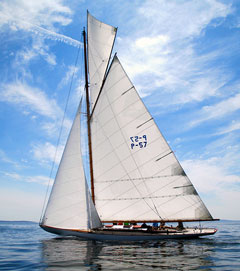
<point x="72" y="254"/>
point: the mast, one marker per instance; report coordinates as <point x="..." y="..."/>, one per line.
<point x="88" y="117"/>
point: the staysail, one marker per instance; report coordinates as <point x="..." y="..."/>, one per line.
<point x="136" y="175"/>
<point x="100" y="37"/>
<point x="70" y="204"/>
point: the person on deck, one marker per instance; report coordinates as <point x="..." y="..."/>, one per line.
<point x="180" y="225"/>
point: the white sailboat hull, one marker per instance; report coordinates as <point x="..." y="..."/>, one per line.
<point x="132" y="235"/>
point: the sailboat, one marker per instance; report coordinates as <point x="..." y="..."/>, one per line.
<point x="137" y="183"/>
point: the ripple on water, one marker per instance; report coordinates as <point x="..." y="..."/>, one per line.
<point x="24" y="246"/>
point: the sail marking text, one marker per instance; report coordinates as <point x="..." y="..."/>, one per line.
<point x="138" y="141"/>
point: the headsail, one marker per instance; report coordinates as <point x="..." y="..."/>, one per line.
<point x="70" y="205"/>
<point x="137" y="176"/>
<point x="101" y="37"/>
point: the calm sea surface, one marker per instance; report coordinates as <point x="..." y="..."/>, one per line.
<point x="24" y="246"/>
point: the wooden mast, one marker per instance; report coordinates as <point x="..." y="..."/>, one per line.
<point x="88" y="117"/>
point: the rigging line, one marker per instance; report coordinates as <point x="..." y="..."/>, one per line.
<point x="114" y="133"/>
<point x="162" y="187"/>
<point x="109" y="88"/>
<point x="135" y="179"/>
<point x="59" y="136"/>
<point x="107" y="66"/>
<point x="127" y="157"/>
<point x="113" y="118"/>
<point x="134" y="159"/>
<point x="90" y="52"/>
<point x="184" y="209"/>
<point x="95" y="65"/>
<point x="84" y="142"/>
<point x="191" y="204"/>
<point x="156" y="211"/>
<point x="148" y="195"/>
<point x="118" y="146"/>
<point x="101" y="87"/>
<point x="157" y="128"/>
<point x="133" y="171"/>
<point x="132" y="179"/>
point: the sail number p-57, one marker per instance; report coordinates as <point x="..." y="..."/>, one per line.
<point x="138" y="141"/>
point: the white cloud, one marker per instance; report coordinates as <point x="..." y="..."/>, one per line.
<point x="215" y="183"/>
<point x="13" y="176"/>
<point x="35" y="21"/>
<point x="39" y="179"/>
<point x="46" y="152"/>
<point x="37" y="49"/>
<point x="4" y="158"/>
<point x="32" y="98"/>
<point x="151" y="44"/>
<point x="167" y="61"/>
<point x="40" y="32"/>
<point x="218" y="110"/>
<point x="210" y="176"/>
<point x="234" y="126"/>
<point x="70" y="72"/>
<point x="80" y="89"/>
<point x="181" y="19"/>
<point x="41" y="18"/>
<point x="22" y="14"/>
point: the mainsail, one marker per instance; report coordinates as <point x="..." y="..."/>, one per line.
<point x="70" y="204"/>
<point x="136" y="175"/>
<point x="100" y="37"/>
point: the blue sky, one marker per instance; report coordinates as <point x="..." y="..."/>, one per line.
<point x="182" y="56"/>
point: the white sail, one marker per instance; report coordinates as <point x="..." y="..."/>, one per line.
<point x="70" y="205"/>
<point x="100" y="42"/>
<point x="136" y="175"/>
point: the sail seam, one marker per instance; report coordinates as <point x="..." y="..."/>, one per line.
<point x="117" y="131"/>
<point x="154" y="207"/>
<point x="67" y="194"/>
<point x="171" y="199"/>
<point x="151" y="197"/>
<point x="102" y="85"/>
<point x="145" y="162"/>
<point x="124" y="167"/>
<point x="114" y="33"/>
<point x="94" y="133"/>
<point x="151" y="192"/>
<point x="139" y="184"/>
<point x="148" y="195"/>
<point x="127" y="157"/>
<point x="96" y="54"/>
<point x="143" y="178"/>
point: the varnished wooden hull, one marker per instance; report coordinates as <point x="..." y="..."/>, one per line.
<point x="131" y="235"/>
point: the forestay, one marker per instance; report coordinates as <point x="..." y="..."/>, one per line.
<point x="70" y="205"/>
<point x="136" y="174"/>
<point x="101" y="37"/>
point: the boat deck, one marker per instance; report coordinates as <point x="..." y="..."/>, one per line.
<point x="132" y="234"/>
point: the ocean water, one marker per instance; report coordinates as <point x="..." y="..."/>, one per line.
<point x="24" y="246"/>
